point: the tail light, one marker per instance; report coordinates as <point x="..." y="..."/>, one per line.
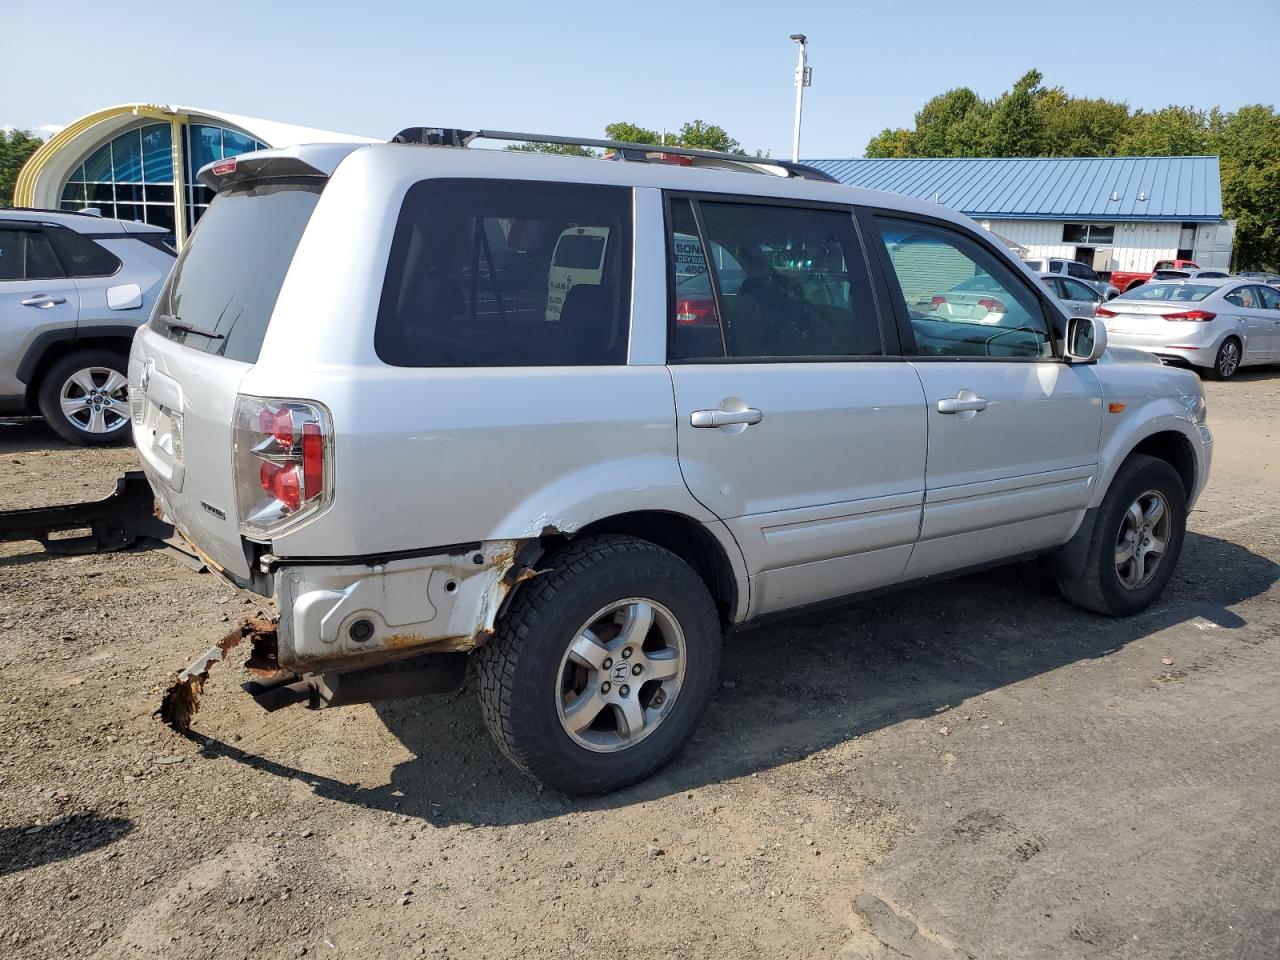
<point x="689" y="312"/>
<point x="936" y="302"/>
<point x="1202" y="316"/>
<point x="992" y="305"/>
<point x="1104" y="312"/>
<point x="283" y="463"/>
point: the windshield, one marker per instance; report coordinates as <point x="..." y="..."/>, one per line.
<point x="1036" y="266"/>
<point x="1189" y="292"/>
<point x="223" y="288"/>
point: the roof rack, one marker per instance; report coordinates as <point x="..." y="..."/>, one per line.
<point x="638" y="152"/>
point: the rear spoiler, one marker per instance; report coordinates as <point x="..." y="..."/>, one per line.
<point x="302" y="160"/>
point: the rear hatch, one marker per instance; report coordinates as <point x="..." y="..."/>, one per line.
<point x="204" y="335"/>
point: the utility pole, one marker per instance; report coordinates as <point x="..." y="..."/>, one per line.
<point x="804" y="78"/>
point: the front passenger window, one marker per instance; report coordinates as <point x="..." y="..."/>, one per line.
<point x="961" y="300"/>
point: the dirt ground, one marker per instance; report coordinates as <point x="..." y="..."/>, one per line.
<point x="970" y="769"/>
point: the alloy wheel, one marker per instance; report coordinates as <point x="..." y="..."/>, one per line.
<point x="95" y="400"/>
<point x="621" y="675"/>
<point x="1142" y="540"/>
<point x="1228" y="359"/>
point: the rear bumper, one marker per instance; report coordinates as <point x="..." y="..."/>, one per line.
<point x="353" y="615"/>
<point x="1199" y="348"/>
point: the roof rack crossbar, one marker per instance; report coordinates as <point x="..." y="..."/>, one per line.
<point x="444" y="136"/>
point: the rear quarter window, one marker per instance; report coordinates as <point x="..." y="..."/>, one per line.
<point x="494" y="273"/>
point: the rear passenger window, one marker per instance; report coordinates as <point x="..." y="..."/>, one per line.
<point x="961" y="300"/>
<point x="27" y="255"/>
<point x="493" y="273"/>
<point x="779" y="282"/>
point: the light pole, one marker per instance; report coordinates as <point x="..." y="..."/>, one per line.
<point x="804" y="77"/>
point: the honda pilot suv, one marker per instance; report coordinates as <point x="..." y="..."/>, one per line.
<point x="576" y="417"/>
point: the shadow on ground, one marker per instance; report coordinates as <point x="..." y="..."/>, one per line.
<point x="24" y="847"/>
<point x="799" y="686"/>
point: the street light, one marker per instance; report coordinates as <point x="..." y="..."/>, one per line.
<point x="804" y="78"/>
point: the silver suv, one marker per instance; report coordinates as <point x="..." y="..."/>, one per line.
<point x="577" y="417"/>
<point x="74" y="288"/>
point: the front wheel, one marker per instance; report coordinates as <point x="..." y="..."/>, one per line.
<point x="603" y="667"/>
<point x="1137" y="538"/>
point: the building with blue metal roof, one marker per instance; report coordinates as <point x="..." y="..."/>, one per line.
<point x="1114" y="213"/>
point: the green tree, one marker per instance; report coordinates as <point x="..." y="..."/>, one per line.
<point x="707" y="136"/>
<point x="892" y="143"/>
<point x="1016" y="127"/>
<point x="563" y="149"/>
<point x="1077" y="127"/>
<point x="15" y="147"/>
<point x="1170" y="132"/>
<point x="631" y="133"/>
<point x="944" y="123"/>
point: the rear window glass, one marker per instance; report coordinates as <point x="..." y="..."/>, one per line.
<point x="493" y="273"/>
<point x="224" y="286"/>
<point x="1168" y="291"/>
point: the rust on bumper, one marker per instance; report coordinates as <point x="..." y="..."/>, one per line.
<point x="181" y="699"/>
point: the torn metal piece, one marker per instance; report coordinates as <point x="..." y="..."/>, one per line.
<point x="182" y="699"/>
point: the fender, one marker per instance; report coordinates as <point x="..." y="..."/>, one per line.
<point x="41" y="345"/>
<point x="1158" y="415"/>
<point x="651" y="483"/>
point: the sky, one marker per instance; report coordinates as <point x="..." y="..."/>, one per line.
<point x="373" y="67"/>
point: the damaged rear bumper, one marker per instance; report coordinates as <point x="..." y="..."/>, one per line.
<point x="360" y="614"/>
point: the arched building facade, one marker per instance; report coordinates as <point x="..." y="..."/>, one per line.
<point x="138" y="161"/>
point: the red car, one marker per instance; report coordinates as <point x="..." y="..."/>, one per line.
<point x="1123" y="279"/>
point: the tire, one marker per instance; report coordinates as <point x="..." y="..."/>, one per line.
<point x="528" y="680"/>
<point x="74" y="378"/>
<point x="1101" y="586"/>
<point x="1227" y="362"/>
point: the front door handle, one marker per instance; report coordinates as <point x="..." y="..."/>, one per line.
<point x="966" y="402"/>
<point x="725" y="418"/>
<point x="43" y="301"/>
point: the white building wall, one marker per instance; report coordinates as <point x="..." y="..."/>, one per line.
<point x="1137" y="246"/>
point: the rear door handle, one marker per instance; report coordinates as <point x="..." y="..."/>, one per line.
<point x="43" y="301"/>
<point x="725" y="418"/>
<point x="962" y="404"/>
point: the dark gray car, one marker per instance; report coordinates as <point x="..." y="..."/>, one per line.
<point x="73" y="289"/>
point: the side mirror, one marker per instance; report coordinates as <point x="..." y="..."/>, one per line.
<point x="1086" y="340"/>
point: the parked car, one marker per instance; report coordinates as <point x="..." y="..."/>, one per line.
<point x="583" y="504"/>
<point x="73" y="289"/>
<point x="1215" y="325"/>
<point x="1079" y="299"/>
<point x="1264" y="277"/>
<point x="1190" y="274"/>
<point x="1079" y="271"/>
<point x="1126" y="280"/>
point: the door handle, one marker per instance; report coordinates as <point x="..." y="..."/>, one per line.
<point x="43" y="301"/>
<point x="725" y="418"/>
<point x="962" y="404"/>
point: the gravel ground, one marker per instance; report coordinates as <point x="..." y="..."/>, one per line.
<point x="968" y="769"/>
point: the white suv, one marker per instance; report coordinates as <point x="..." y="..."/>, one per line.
<point x="381" y="388"/>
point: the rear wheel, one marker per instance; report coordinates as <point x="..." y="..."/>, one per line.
<point x="603" y="667"/>
<point x="84" y="396"/>
<point x="1227" y="362"/>
<point x="1137" y="538"/>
